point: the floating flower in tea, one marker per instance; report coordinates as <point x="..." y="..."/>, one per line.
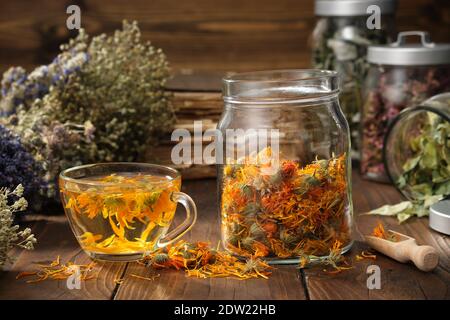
<point x="119" y="214"/>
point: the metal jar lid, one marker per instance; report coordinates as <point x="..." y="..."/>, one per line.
<point x="400" y="53"/>
<point x="346" y="8"/>
<point x="440" y="216"/>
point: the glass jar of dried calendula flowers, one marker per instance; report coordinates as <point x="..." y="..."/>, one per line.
<point x="339" y="42"/>
<point x="284" y="169"/>
<point x="401" y="75"/>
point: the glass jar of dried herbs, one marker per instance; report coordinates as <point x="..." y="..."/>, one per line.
<point x="284" y="169"/>
<point x="339" y="42"/>
<point x="417" y="150"/>
<point x="401" y="75"/>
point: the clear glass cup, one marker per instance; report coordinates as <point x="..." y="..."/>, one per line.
<point x="289" y="197"/>
<point x="123" y="211"/>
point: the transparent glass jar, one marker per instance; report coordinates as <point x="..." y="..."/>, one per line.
<point x="284" y="177"/>
<point x="339" y="42"/>
<point x="401" y="75"/>
<point x="417" y="149"/>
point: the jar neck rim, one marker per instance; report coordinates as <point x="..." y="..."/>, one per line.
<point x="281" y="86"/>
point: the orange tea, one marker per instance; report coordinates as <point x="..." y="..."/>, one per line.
<point x="122" y="215"/>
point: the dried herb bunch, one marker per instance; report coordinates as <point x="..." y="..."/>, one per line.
<point x="12" y="202"/>
<point x="284" y="210"/>
<point x="18" y="166"/>
<point x="340" y="43"/>
<point x="101" y="99"/>
<point x="395" y="89"/>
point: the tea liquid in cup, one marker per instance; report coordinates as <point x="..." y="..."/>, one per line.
<point x="122" y="211"/>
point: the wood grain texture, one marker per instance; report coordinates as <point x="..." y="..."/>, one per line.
<point x="200" y="35"/>
<point x="56" y="238"/>
<point x="398" y="281"/>
<point x="284" y="284"/>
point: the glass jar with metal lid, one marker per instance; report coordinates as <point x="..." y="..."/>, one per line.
<point x="339" y="43"/>
<point x="400" y="75"/>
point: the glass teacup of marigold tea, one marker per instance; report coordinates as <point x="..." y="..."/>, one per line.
<point x="123" y="211"/>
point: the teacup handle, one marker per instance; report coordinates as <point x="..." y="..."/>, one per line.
<point x="191" y="217"/>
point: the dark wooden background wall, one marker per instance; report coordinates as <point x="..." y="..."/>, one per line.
<point x="199" y="35"/>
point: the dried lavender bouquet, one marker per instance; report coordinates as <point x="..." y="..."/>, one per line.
<point x="100" y="99"/>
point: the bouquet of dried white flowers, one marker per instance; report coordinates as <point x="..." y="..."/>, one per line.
<point x="12" y="202"/>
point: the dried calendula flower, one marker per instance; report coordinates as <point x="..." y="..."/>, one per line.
<point x="56" y="270"/>
<point x="12" y="202"/>
<point x="199" y="260"/>
<point x="285" y="210"/>
<point x="364" y="255"/>
<point x="335" y="260"/>
<point x="153" y="277"/>
<point x="380" y="232"/>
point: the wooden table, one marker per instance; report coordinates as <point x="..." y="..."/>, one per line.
<point x="398" y="281"/>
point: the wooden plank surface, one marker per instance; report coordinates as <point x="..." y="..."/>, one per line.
<point x="200" y="35"/>
<point x="399" y="281"/>
<point x="56" y="238"/>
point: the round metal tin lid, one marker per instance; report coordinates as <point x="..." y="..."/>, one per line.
<point x="440" y="216"/>
<point x="401" y="54"/>
<point x="346" y="8"/>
